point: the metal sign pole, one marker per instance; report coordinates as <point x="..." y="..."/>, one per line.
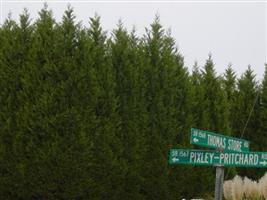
<point x="219" y="182"/>
<point x="219" y="179"/>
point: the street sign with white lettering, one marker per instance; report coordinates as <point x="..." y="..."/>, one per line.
<point x="213" y="158"/>
<point x="218" y="141"/>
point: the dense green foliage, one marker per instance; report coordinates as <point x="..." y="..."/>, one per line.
<point x="87" y="116"/>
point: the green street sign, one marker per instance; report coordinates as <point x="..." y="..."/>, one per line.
<point x="213" y="158"/>
<point x="218" y="141"/>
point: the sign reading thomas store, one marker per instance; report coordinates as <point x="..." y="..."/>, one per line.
<point x="218" y="141"/>
<point x="228" y="152"/>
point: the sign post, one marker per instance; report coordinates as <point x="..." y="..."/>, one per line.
<point x="219" y="182"/>
<point x="219" y="179"/>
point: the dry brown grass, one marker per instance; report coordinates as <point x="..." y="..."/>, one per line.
<point x="263" y="186"/>
<point x="227" y="189"/>
<point x="237" y="188"/>
<point x="246" y="189"/>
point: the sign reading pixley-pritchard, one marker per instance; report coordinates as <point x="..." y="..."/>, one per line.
<point x="218" y="141"/>
<point x="213" y="158"/>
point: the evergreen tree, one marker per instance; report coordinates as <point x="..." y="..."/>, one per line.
<point x="214" y="113"/>
<point x="7" y="92"/>
<point x="246" y="125"/>
<point x="229" y="85"/>
<point x="125" y="62"/>
<point x="165" y="93"/>
<point x="197" y="95"/>
<point x="263" y="111"/>
<point x="230" y="88"/>
<point x="107" y="166"/>
<point x="247" y="92"/>
<point x="155" y="167"/>
<point x="15" y="136"/>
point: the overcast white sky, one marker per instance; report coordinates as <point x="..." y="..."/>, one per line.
<point x="233" y="31"/>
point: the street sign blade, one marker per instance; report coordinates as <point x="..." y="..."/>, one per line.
<point x="213" y="158"/>
<point x="185" y="156"/>
<point x="218" y="141"/>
